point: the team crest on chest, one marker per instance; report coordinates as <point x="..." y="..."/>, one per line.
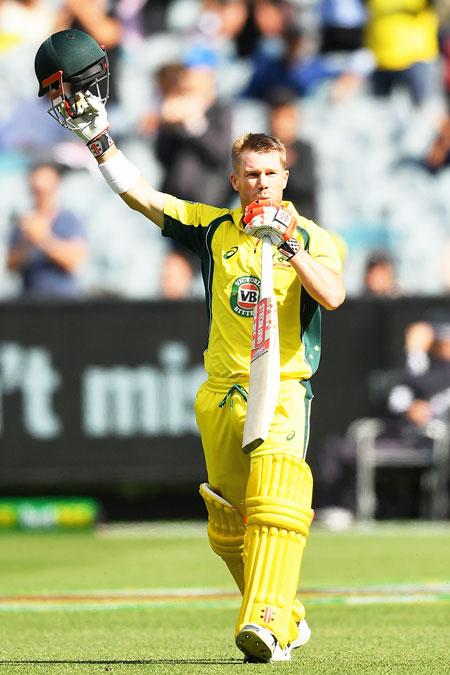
<point x="245" y="295"/>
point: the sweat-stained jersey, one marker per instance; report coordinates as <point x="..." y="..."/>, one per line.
<point x="231" y="268"/>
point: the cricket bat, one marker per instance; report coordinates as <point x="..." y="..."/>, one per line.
<point x="264" y="383"/>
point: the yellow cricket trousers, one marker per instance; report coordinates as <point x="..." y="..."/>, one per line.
<point x="220" y="409"/>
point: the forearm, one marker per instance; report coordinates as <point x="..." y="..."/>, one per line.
<point x="140" y="195"/>
<point x="68" y="255"/>
<point x="103" y="28"/>
<point x="322" y="284"/>
<point x="123" y="177"/>
<point x="144" y="198"/>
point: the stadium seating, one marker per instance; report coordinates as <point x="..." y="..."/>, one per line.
<point x="373" y="190"/>
<point x="374" y="452"/>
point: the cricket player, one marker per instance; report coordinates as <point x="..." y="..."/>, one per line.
<point x="259" y="504"/>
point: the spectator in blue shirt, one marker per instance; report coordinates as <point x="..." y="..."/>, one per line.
<point x="47" y="244"/>
<point x="295" y="67"/>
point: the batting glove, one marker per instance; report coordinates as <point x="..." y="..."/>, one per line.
<point x="266" y="218"/>
<point x="90" y="122"/>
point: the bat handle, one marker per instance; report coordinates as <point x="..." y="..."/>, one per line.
<point x="266" y="268"/>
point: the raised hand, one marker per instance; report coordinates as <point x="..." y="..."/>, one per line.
<point x="87" y="118"/>
<point x="90" y="120"/>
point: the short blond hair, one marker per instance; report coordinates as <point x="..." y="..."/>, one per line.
<point x="257" y="143"/>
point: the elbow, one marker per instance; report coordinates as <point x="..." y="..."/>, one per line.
<point x="335" y="299"/>
<point x="130" y="201"/>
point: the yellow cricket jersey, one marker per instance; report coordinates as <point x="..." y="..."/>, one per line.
<point x="231" y="268"/>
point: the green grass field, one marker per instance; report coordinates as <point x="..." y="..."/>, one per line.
<point x="156" y="600"/>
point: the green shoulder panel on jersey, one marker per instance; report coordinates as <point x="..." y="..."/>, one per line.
<point x="190" y="236"/>
<point x="197" y="236"/>
<point x="310" y="318"/>
<point x="188" y="222"/>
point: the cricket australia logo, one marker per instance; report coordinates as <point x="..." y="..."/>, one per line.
<point x="245" y="295"/>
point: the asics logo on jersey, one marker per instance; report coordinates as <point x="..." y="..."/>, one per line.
<point x="230" y="253"/>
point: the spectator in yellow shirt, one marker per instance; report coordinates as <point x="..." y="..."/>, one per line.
<point x="403" y="36"/>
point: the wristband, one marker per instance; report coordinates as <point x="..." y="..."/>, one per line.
<point x="289" y="248"/>
<point x="119" y="173"/>
<point x="100" y="145"/>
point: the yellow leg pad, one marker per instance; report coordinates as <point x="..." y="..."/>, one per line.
<point x="278" y="505"/>
<point x="226" y="532"/>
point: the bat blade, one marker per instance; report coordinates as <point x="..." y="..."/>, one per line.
<point x="264" y="383"/>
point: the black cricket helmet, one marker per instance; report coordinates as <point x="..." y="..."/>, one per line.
<point x="69" y="62"/>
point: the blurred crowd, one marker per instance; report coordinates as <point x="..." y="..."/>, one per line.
<point x="358" y="91"/>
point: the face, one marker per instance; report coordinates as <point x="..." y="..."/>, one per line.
<point x="199" y="82"/>
<point x="259" y="175"/>
<point x="176" y="277"/>
<point x="285" y="122"/>
<point x="44" y="182"/>
<point x="380" y="279"/>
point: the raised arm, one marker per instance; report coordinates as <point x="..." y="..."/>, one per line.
<point x="107" y="30"/>
<point x="123" y="177"/>
<point x="141" y="195"/>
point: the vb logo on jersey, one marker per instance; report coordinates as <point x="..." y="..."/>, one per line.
<point x="244" y="295"/>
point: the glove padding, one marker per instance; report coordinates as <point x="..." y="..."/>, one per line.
<point x="91" y="119"/>
<point x="266" y="218"/>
